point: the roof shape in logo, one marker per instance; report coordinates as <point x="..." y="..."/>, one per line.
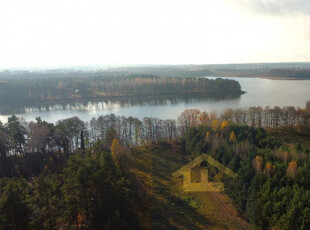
<point x="210" y="160"/>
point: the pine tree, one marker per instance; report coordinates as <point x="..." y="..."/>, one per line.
<point x="82" y="141"/>
<point x="15" y="204"/>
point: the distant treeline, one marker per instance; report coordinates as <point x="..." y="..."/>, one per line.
<point x="169" y="71"/>
<point x="291" y="73"/>
<point x="279" y="70"/>
<point x="65" y="89"/>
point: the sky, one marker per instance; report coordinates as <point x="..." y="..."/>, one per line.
<point x="54" y="33"/>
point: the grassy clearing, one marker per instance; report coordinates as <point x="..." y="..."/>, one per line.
<point x="163" y="205"/>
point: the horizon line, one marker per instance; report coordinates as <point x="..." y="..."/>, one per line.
<point x="118" y="65"/>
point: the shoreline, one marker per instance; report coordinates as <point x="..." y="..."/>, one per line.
<point x="267" y="77"/>
<point x="20" y="109"/>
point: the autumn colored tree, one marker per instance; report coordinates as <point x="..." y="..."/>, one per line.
<point x="81" y="221"/>
<point x="292" y="169"/>
<point x="224" y="125"/>
<point x="208" y="136"/>
<point x="268" y="168"/>
<point x="204" y="118"/>
<point x="258" y="163"/>
<point x="119" y="154"/>
<point x="215" y="125"/>
<point x="232" y="137"/>
<point x="116" y="150"/>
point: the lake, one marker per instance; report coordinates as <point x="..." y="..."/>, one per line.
<point x="260" y="92"/>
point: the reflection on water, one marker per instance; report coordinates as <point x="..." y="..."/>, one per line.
<point x="263" y="92"/>
<point x="118" y="103"/>
<point x="162" y="107"/>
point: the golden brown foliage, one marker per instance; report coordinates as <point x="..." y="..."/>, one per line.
<point x="268" y="168"/>
<point x="233" y="137"/>
<point x="116" y="150"/>
<point x="292" y="169"/>
<point x="208" y="136"/>
<point x="224" y="125"/>
<point x="215" y="125"/>
<point x="119" y="154"/>
<point x="81" y="219"/>
<point x="204" y="118"/>
<point x="258" y="163"/>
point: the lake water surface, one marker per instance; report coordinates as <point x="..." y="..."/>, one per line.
<point x="260" y="92"/>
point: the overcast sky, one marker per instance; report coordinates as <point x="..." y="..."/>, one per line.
<point x="49" y="33"/>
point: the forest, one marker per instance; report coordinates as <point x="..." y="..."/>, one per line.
<point x="272" y="187"/>
<point x="74" y="174"/>
<point x="32" y="91"/>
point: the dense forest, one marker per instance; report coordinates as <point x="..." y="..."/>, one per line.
<point x="272" y="187"/>
<point x="33" y="91"/>
<point x="73" y="174"/>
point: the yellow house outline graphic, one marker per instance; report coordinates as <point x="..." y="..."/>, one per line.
<point x="204" y="185"/>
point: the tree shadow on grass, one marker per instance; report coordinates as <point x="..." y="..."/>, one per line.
<point x="160" y="207"/>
